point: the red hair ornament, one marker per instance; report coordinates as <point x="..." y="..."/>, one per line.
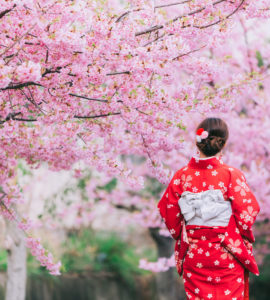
<point x="201" y="134"/>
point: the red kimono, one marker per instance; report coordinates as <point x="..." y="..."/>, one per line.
<point x="209" y="210"/>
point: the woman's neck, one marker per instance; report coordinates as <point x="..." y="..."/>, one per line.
<point x="204" y="156"/>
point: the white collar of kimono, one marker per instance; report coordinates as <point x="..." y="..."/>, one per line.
<point x="204" y="158"/>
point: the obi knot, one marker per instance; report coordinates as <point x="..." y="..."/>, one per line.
<point x="205" y="208"/>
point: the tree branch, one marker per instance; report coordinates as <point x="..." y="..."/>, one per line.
<point x="50" y="71"/>
<point x="4" y="12"/>
<point x="156" y="39"/>
<point x="97" y="116"/>
<point x="18" y="40"/>
<point x="47" y="56"/>
<point x="20" y="85"/>
<point x="184" y="54"/>
<point x="227" y="17"/>
<point x="142" y="112"/>
<point x="247" y="46"/>
<point x="122" y="16"/>
<point x="146" y="150"/>
<point x="57" y="70"/>
<point x="87" y="98"/>
<point x="125" y="14"/>
<point x="158" y="6"/>
<point x="9" y="117"/>
<point x="131" y="208"/>
<point x="172" y="4"/>
<point x="157" y="27"/>
<point x="31" y="99"/>
<point x="93" y="99"/>
<point x="24" y="120"/>
<point x="118" y="73"/>
<point x="12" y="116"/>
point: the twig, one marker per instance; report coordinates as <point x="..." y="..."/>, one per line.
<point x="156" y="39"/>
<point x="126" y="13"/>
<point x="157" y="27"/>
<point x="31" y="99"/>
<point x="247" y="46"/>
<point x="93" y="99"/>
<point x="227" y="17"/>
<point x="142" y="112"/>
<point x="192" y="51"/>
<point x="47" y="56"/>
<point x="79" y="135"/>
<point x="172" y="4"/>
<point x="97" y="116"/>
<point x="87" y="98"/>
<point x="148" y="154"/>
<point x="18" y="40"/>
<point x="118" y="73"/>
<point x="13" y="214"/>
<point x="57" y="70"/>
<point x="122" y="16"/>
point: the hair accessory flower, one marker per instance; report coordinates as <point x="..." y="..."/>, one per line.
<point x="201" y="134"/>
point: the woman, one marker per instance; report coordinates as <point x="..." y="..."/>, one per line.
<point x="209" y="210"/>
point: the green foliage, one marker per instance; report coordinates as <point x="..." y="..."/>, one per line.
<point x="116" y="256"/>
<point x="24" y="169"/>
<point x="260" y="284"/>
<point x="109" y="186"/>
<point x="82" y="183"/>
<point x="78" y="249"/>
<point x="181" y="125"/>
<point x="259" y="59"/>
<point x="86" y="250"/>
<point x="3" y="260"/>
<point x="153" y="187"/>
<point x="33" y="266"/>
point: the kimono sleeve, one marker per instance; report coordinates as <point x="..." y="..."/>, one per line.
<point x="244" y="204"/>
<point x="169" y="208"/>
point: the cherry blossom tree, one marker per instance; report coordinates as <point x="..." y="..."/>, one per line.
<point x="92" y="81"/>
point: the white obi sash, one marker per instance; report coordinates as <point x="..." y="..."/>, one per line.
<point x="205" y="208"/>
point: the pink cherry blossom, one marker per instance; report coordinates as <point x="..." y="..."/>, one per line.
<point x="28" y="71"/>
<point x="98" y="83"/>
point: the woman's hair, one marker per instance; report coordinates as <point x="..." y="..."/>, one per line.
<point x="218" y="134"/>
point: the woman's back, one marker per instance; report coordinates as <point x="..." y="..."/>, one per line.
<point x="209" y="210"/>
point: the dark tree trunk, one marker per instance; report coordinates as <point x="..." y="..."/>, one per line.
<point x="169" y="284"/>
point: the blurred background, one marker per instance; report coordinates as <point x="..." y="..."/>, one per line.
<point x="101" y="242"/>
<point x="80" y="182"/>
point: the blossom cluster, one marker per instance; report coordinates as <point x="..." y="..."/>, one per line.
<point x="43" y="256"/>
<point x="86" y="81"/>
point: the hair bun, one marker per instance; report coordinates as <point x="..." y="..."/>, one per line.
<point x="217" y="137"/>
<point x="217" y="142"/>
